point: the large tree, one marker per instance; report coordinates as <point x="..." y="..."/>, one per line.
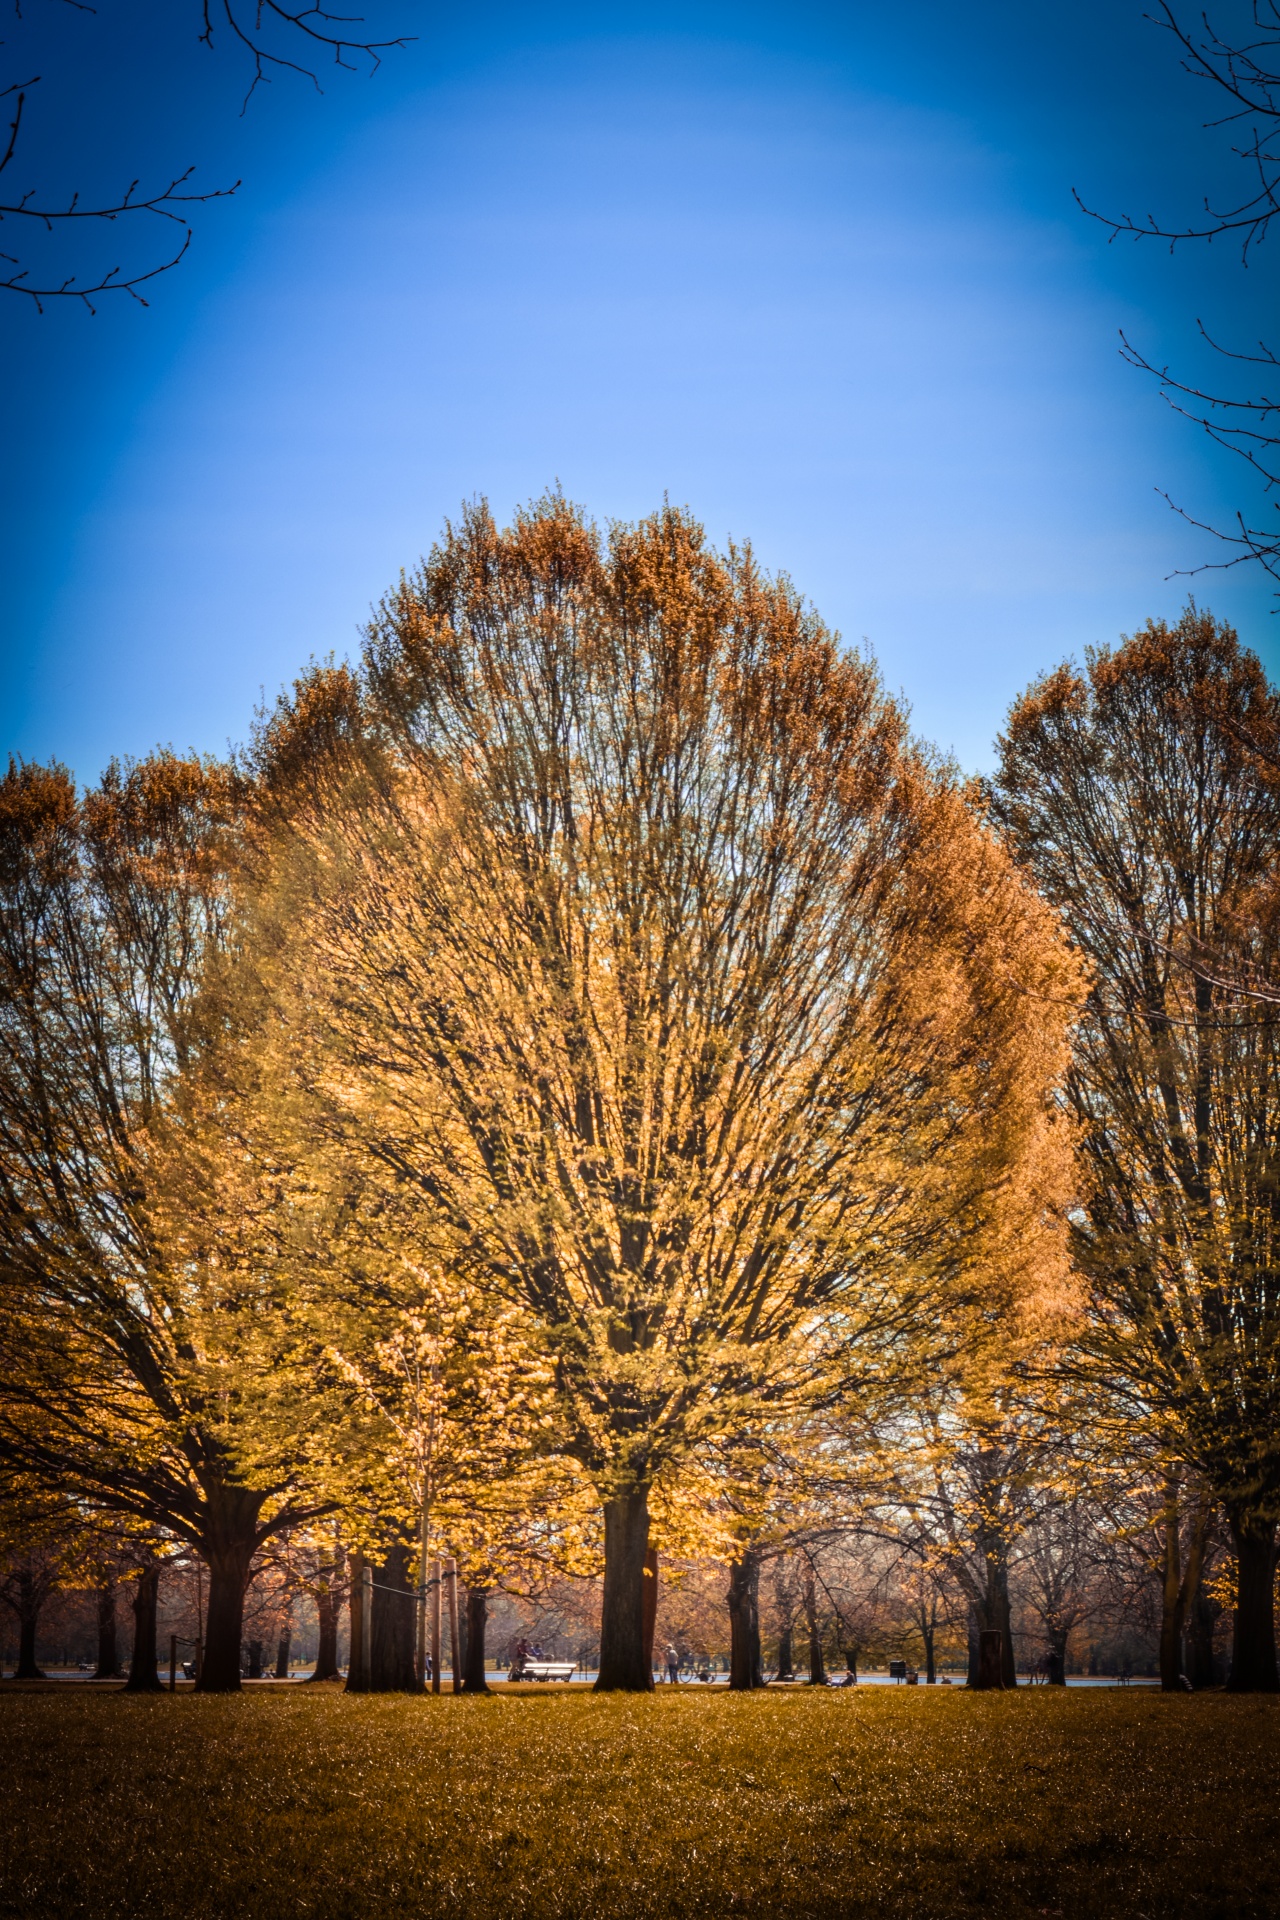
<point x="110" y="903"/>
<point x="616" y="916"/>
<point x="1127" y="793"/>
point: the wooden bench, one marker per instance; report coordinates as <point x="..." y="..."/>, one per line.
<point x="544" y="1670"/>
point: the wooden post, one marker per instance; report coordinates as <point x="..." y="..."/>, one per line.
<point x="173" y="1663"/>
<point x="435" y="1626"/>
<point x="455" y="1644"/>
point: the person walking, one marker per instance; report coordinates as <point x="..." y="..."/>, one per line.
<point x="673" y="1667"/>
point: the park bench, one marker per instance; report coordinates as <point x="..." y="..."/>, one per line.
<point x="544" y="1670"/>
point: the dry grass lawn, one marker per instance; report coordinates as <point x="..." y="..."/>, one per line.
<point x="917" y="1803"/>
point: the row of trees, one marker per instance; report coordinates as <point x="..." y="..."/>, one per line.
<point x="588" y="1082"/>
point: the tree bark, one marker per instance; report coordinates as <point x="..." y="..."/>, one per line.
<point x="649" y="1610"/>
<point x="108" y="1667"/>
<point x="623" y="1667"/>
<point x="1201" y="1662"/>
<point x="143" y="1677"/>
<point x="255" y="1660"/>
<point x="746" y="1666"/>
<point x="786" y="1658"/>
<point x="357" y="1670"/>
<point x="477" y="1613"/>
<point x="391" y="1661"/>
<point x="1253" y="1649"/>
<point x="326" y="1667"/>
<point x="817" y="1665"/>
<point x="282" y="1655"/>
<point x="1056" y="1673"/>
<point x="928" y="1635"/>
<point x="230" y="1540"/>
<point x="31" y="1597"/>
<point x="1179" y="1587"/>
<point x="990" y="1660"/>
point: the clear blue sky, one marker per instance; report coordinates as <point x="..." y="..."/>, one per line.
<point x="814" y="271"/>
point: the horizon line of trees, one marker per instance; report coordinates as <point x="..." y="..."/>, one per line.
<point x="585" y="1083"/>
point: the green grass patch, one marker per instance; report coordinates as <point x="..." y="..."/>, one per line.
<point x="307" y="1802"/>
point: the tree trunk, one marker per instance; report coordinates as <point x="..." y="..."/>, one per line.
<point x="990" y="1660"/>
<point x="974" y="1643"/>
<point x="143" y="1677"/>
<point x="623" y="1667"/>
<point x="1056" y="1673"/>
<point x="1004" y="1620"/>
<point x="229" y="1541"/>
<point x="1253" y="1649"/>
<point x="928" y="1635"/>
<point x="1179" y="1588"/>
<point x="473" y="1680"/>
<point x="391" y="1662"/>
<point x="108" y="1642"/>
<point x="817" y="1666"/>
<point x="1201" y="1662"/>
<point x="357" y="1670"/>
<point x="282" y="1655"/>
<point x="746" y="1667"/>
<point x="649" y="1614"/>
<point x="31" y="1595"/>
<point x="255" y="1660"/>
<point x="327" y="1619"/>
<point x="786" y="1658"/>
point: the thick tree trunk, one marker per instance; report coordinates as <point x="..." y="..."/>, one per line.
<point x="974" y="1643"/>
<point x="1253" y="1649"/>
<point x="108" y="1667"/>
<point x="477" y="1613"/>
<point x="255" y="1660"/>
<point x="143" y="1677"/>
<point x="31" y="1596"/>
<point x="927" y="1634"/>
<point x="357" y="1668"/>
<point x="326" y="1667"/>
<point x="1179" y="1588"/>
<point x="786" y="1658"/>
<point x="817" y="1665"/>
<point x="649" y="1610"/>
<point x="230" y="1539"/>
<point x="1201" y="1660"/>
<point x="990" y="1660"/>
<point x="1056" y="1673"/>
<point x="623" y="1666"/>
<point x="746" y="1667"/>
<point x="1004" y="1620"/>
<point x="282" y="1655"/>
<point x="391" y="1662"/>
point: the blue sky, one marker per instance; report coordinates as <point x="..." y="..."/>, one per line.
<point x="814" y="271"/>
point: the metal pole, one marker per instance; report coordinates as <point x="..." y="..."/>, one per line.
<point x="455" y="1647"/>
<point x="173" y="1663"/>
<point x="435" y="1626"/>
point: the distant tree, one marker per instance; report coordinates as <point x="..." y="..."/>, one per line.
<point x="1128" y="795"/>
<point x="110" y="903"/>
<point x="627" y="930"/>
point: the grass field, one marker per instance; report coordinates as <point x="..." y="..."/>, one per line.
<point x="303" y="1801"/>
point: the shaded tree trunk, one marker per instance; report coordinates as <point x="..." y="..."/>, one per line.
<point x="255" y="1660"/>
<point x="1253" y="1647"/>
<point x="326" y="1667"/>
<point x="817" y="1665"/>
<point x="391" y="1651"/>
<point x="746" y="1667"/>
<point x="649" y="1612"/>
<point x="928" y="1634"/>
<point x="1201" y="1660"/>
<point x="786" y="1658"/>
<point x="623" y="1667"/>
<point x="29" y="1596"/>
<point x="143" y="1677"/>
<point x="357" y="1668"/>
<point x="229" y="1542"/>
<point x="1056" y="1666"/>
<point x="990" y="1660"/>
<point x="108" y="1667"/>
<point x="282" y="1655"/>
<point x="1179" y="1587"/>
<point x="477" y="1614"/>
